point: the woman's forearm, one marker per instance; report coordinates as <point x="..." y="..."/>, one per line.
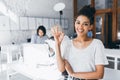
<point x="60" y="60"/>
<point x="98" y="74"/>
<point x="88" y="75"/>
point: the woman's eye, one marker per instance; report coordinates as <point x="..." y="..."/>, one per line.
<point x="86" y="24"/>
<point x="77" y="22"/>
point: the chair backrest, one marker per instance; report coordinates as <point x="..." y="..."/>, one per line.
<point x="11" y="52"/>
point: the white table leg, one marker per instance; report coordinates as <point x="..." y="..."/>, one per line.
<point x="115" y="64"/>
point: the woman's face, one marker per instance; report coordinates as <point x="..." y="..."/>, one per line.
<point x="82" y="25"/>
<point x="40" y="33"/>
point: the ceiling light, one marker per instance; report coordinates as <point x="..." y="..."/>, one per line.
<point x="59" y="6"/>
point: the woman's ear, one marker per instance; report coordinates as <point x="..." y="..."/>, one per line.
<point x="90" y="33"/>
<point x="91" y="27"/>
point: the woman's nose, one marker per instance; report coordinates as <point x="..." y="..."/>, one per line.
<point x="80" y="26"/>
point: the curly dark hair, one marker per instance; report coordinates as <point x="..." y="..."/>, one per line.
<point x="41" y="28"/>
<point x="89" y="12"/>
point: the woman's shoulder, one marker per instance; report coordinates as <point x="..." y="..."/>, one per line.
<point x="34" y="36"/>
<point x="45" y="36"/>
<point x="97" y="42"/>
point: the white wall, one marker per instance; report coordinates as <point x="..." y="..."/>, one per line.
<point x="5" y="37"/>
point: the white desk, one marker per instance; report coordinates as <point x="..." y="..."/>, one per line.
<point x="115" y="53"/>
<point x="36" y="73"/>
<point x="111" y="74"/>
<point x="34" y="64"/>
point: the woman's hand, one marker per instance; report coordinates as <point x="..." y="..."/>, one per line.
<point x="58" y="35"/>
<point x="68" y="68"/>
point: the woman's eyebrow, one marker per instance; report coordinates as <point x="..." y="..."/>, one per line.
<point x="83" y="21"/>
<point x="77" y="20"/>
<point x="86" y="22"/>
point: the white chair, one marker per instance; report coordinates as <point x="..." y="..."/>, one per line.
<point x="12" y="52"/>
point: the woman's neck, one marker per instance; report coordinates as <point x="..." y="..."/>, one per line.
<point x="40" y="36"/>
<point x="83" y="38"/>
<point x="82" y="42"/>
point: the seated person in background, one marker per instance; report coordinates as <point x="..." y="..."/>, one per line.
<point x="40" y="37"/>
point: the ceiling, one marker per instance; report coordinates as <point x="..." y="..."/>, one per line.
<point x="44" y="8"/>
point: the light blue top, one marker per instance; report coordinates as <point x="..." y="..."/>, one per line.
<point x="38" y="40"/>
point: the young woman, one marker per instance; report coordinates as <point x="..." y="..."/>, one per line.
<point x="83" y="57"/>
<point x="40" y="37"/>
